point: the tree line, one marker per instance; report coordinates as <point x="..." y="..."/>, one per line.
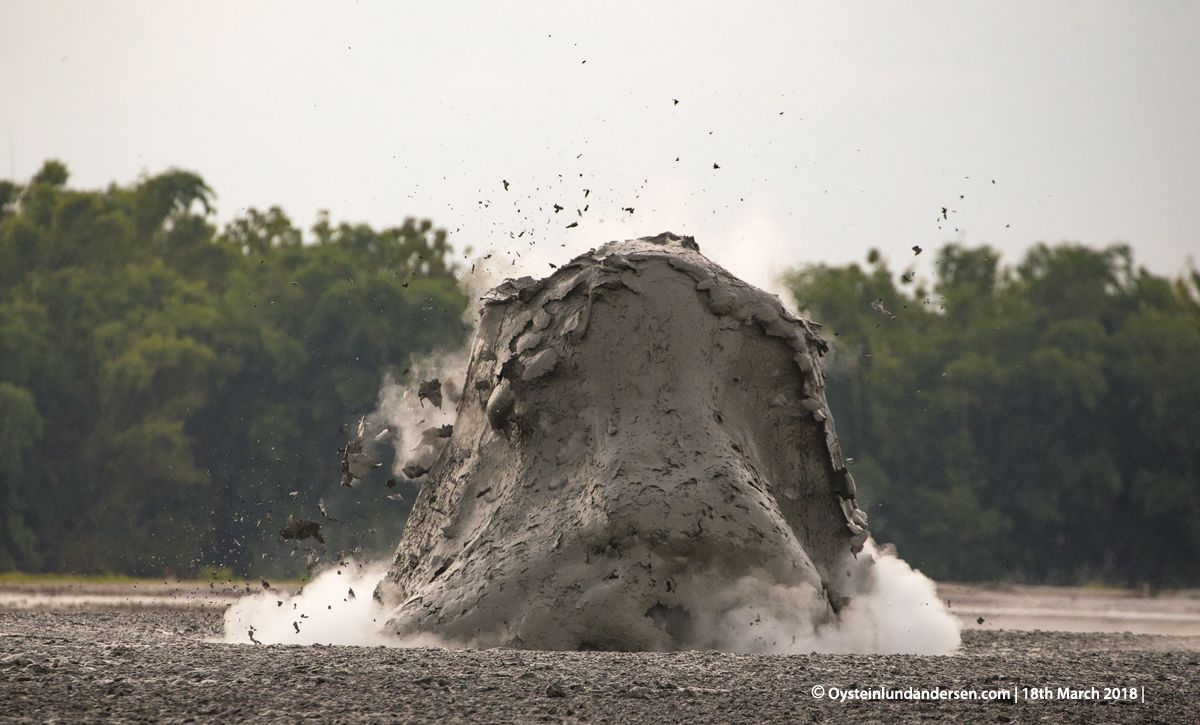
<point x="171" y="392"/>
<point x="1037" y="422"/>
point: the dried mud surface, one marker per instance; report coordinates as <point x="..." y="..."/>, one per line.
<point x="161" y="667"/>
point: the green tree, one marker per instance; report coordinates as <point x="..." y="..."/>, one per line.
<point x="1035" y="422"/>
<point x="155" y="370"/>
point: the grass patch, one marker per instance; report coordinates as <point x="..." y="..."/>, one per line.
<point x="19" y="577"/>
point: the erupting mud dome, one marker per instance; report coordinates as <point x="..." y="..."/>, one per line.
<point x="643" y="459"/>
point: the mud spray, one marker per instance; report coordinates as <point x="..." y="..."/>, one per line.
<point x="639" y="456"/>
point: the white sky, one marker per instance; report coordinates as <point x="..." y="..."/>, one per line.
<point x="838" y="126"/>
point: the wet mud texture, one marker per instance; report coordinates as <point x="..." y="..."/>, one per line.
<point x="641" y="430"/>
<point x="158" y="667"/>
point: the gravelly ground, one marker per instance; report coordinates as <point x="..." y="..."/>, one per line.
<point x="159" y="667"/>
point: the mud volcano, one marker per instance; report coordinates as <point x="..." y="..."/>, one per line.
<point x="643" y="445"/>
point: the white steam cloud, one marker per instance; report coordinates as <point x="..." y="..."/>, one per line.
<point x="334" y="608"/>
<point x="898" y="612"/>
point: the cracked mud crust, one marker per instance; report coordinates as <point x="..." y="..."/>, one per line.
<point x="158" y="667"/>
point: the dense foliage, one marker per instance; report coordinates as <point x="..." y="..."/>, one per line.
<point x="170" y="393"/>
<point x="164" y="388"/>
<point x="1039" y="423"/>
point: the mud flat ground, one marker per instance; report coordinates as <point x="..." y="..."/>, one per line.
<point x="1074" y="609"/>
<point x="154" y="663"/>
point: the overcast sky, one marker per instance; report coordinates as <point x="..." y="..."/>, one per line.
<point x="837" y="126"/>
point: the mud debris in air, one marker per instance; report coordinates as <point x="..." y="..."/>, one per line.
<point x="413" y="469"/>
<point x="430" y="390"/>
<point x="356" y="463"/>
<point x="299" y="529"/>
<point x="325" y="512"/>
<point x="877" y="305"/>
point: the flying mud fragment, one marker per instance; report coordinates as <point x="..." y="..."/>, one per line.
<point x="325" y="512"/>
<point x="413" y="469"/>
<point x="355" y="462"/>
<point x="643" y="453"/>
<point x="299" y="529"/>
<point x="431" y="390"/>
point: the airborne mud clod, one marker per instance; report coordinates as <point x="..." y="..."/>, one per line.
<point x="299" y="529"/>
<point x="877" y="305"/>
<point x="356" y="463"/>
<point x="325" y="512"/>
<point x="431" y="390"/>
